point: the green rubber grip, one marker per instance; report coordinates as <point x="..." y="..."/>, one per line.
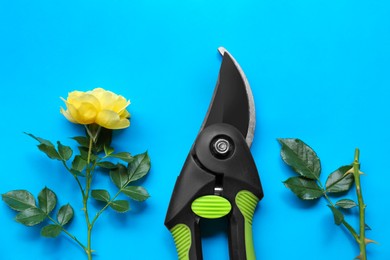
<point x="211" y="206"/>
<point x="246" y="202"/>
<point x="182" y="237"/>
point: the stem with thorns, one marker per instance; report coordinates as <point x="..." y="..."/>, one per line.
<point x="362" y="224"/>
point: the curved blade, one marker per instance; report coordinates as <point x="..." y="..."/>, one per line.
<point x="232" y="101"/>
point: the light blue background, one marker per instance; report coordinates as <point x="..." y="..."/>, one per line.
<point x="319" y="71"/>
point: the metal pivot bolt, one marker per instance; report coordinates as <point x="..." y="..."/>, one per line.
<point x="222" y="146"/>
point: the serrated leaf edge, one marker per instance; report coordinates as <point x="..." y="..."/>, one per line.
<point x="280" y="140"/>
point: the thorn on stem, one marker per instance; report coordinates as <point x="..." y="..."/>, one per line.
<point x="369" y="241"/>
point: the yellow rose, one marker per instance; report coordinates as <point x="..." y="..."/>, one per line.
<point x="98" y="106"/>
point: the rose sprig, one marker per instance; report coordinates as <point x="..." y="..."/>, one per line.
<point x="308" y="186"/>
<point x="100" y="112"/>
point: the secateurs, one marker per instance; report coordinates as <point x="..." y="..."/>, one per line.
<point x="219" y="177"/>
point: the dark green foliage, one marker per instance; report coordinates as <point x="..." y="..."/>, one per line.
<point x="30" y="214"/>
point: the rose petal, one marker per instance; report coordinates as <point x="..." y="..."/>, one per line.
<point x="87" y="113"/>
<point x="73" y="113"/>
<point x="67" y="115"/>
<point x="85" y="98"/>
<point x="97" y="106"/>
<point x="106" y="98"/>
<point x="110" y="101"/>
<point x="111" y="120"/>
<point x="125" y="114"/>
<point x="120" y="105"/>
<point x="74" y="95"/>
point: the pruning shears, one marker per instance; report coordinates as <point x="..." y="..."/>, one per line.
<point x="219" y="177"/>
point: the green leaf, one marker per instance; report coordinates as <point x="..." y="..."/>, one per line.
<point x="47" y="200"/>
<point x="77" y="173"/>
<point x="101" y="195"/>
<point x="119" y="176"/>
<point x="337" y="214"/>
<point x="300" y="157"/>
<point x="51" y="231"/>
<point x="64" y="151"/>
<point x="65" y="214"/>
<point x="50" y="151"/>
<point x="19" y="200"/>
<point x="104" y="140"/>
<point x="84" y="154"/>
<point x="138" y="167"/>
<point x="137" y="193"/>
<point x="305" y="189"/>
<point x="107" y="165"/>
<point x="40" y="140"/>
<point x="31" y="216"/>
<point x="108" y="150"/>
<point x="78" y="163"/>
<point x="47" y="147"/>
<point x="120" y="206"/>
<point x="338" y="181"/>
<point x="124" y="156"/>
<point x="346" y="203"/>
<point x="82" y="141"/>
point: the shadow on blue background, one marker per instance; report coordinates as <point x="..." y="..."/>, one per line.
<point x="319" y="71"/>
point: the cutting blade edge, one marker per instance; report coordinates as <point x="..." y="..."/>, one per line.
<point x="251" y="104"/>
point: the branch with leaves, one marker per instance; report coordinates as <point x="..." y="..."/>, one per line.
<point x="308" y="186"/>
<point x="100" y="112"/>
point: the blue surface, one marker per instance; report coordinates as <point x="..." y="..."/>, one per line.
<point x="319" y="71"/>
